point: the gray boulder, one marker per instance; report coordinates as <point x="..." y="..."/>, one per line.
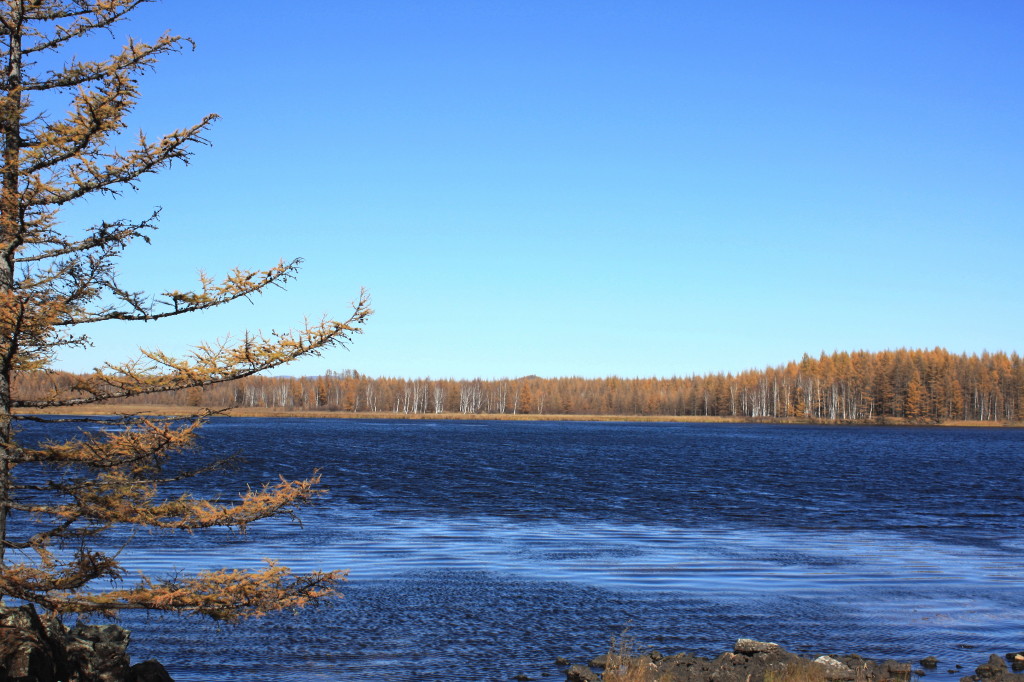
<point x="752" y="646"/>
<point x="834" y="669"/>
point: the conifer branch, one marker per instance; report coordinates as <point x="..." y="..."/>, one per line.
<point x="60" y="500"/>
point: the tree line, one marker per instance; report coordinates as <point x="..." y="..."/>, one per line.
<point x="915" y="385"/>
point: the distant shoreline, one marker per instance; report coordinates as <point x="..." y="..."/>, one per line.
<point x="253" y="412"/>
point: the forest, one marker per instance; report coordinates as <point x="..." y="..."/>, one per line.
<point x="924" y="386"/>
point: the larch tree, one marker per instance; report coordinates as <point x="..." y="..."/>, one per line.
<point x="60" y="501"/>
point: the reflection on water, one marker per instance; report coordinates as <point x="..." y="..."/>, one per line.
<point x="482" y="550"/>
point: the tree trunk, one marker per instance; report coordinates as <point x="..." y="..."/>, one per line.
<point x="10" y="235"/>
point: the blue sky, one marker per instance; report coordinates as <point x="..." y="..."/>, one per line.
<point x="592" y="188"/>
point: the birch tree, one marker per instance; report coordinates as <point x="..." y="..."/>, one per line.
<point x="59" y="501"/>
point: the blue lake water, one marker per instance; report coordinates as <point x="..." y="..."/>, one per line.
<point x="479" y="550"/>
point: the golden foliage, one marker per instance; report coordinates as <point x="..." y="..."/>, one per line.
<point x="933" y="386"/>
<point x="222" y="595"/>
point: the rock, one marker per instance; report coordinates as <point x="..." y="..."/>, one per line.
<point x="834" y="669"/>
<point x="995" y="667"/>
<point x="28" y="649"/>
<point x="580" y="673"/>
<point x="929" y="662"/>
<point x="752" y="646"/>
<point x="919" y="672"/>
<point x="98" y="652"/>
<point x="36" y="648"/>
<point x="521" y="677"/>
<point x="1017" y="665"/>
<point x="642" y="667"/>
<point x="148" y="671"/>
<point x="599" y="661"/>
<point x="859" y="666"/>
<point x="561" y="660"/>
<point x="895" y="670"/>
<point x="681" y="665"/>
<point x="750" y="661"/>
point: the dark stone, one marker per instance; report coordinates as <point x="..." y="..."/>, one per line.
<point x="148" y="671"/>
<point x="599" y="661"/>
<point x="1017" y="665"/>
<point x="725" y="658"/>
<point x="561" y="660"/>
<point x="580" y="673"/>
<point x="98" y="652"/>
<point x="894" y="670"/>
<point x="30" y="649"/>
<point x="995" y="667"/>
<point x="751" y="661"/>
<point x="862" y="668"/>
<point x="36" y="648"/>
<point x="522" y="678"/>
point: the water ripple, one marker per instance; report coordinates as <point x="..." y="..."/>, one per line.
<point x="482" y="550"/>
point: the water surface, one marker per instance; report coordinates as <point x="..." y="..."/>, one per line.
<point x="479" y="550"/>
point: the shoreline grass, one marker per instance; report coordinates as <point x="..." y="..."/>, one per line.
<point x="253" y="412"/>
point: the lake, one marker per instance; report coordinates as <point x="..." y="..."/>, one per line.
<point x="479" y="550"/>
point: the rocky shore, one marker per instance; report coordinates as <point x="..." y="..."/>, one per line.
<point x="754" y="661"/>
<point x="38" y="649"/>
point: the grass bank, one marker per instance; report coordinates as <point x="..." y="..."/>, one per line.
<point x="183" y="411"/>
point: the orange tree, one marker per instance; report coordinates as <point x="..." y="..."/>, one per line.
<point x="60" y="501"/>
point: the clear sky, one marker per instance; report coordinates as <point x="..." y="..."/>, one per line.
<point x="642" y="188"/>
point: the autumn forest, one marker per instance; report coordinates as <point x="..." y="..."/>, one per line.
<point x="908" y="385"/>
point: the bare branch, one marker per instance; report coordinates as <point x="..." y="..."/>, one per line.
<point x="87" y="19"/>
<point x="87" y="176"/>
<point x="238" y="284"/>
<point x="115" y="234"/>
